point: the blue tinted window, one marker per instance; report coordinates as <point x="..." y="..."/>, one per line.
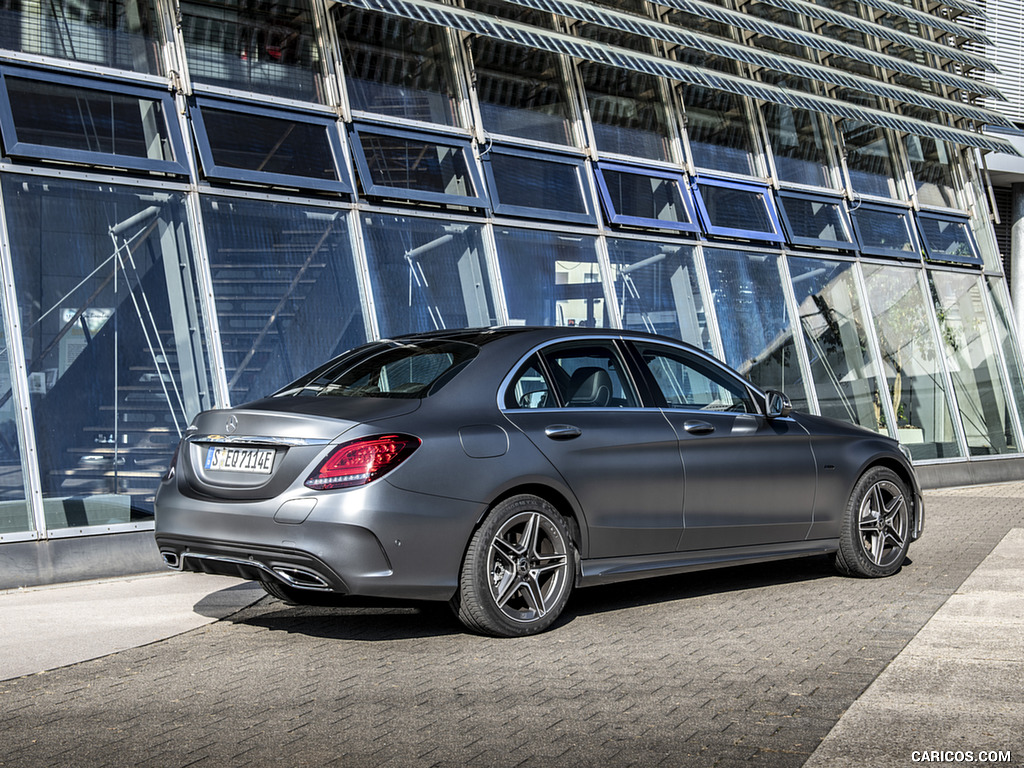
<point x="948" y="238"/>
<point x="735" y="209"/>
<point x="816" y="220"/>
<point x="640" y="197"/>
<point x="885" y="231"/>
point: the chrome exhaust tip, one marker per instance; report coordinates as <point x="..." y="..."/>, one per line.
<point x="303" y="579"/>
<point x="171" y="560"/>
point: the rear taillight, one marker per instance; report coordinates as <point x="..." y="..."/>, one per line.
<point x="360" y="461"/>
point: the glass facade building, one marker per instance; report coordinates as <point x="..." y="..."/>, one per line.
<point x="200" y="199"/>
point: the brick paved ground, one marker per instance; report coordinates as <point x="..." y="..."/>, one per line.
<point x="750" y="666"/>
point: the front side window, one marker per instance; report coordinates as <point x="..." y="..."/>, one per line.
<point x="590" y="376"/>
<point x="267" y="48"/>
<point x="122" y="34"/>
<point x="396" y="67"/>
<point x="689" y="384"/>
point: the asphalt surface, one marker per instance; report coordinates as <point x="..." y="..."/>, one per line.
<point x="785" y="664"/>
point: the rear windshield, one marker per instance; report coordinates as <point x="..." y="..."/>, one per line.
<point x="387" y="369"/>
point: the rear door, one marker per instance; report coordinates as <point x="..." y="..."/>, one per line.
<point x="578" y="404"/>
<point x="749" y="480"/>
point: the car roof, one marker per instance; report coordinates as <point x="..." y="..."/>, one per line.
<point x="536" y="333"/>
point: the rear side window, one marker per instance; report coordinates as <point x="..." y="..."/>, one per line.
<point x="574" y="375"/>
<point x="389" y="369"/>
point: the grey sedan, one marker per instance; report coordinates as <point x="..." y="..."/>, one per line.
<point x="498" y="469"/>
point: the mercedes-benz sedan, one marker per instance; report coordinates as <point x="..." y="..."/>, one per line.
<point x="499" y="469"/>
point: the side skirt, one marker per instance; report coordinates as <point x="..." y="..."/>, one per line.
<point x="612" y="569"/>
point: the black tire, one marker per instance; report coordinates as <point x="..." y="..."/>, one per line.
<point x="519" y="570"/>
<point x="875" y="534"/>
<point x="294" y="596"/>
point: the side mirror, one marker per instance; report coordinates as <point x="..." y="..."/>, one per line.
<point x="777" y="405"/>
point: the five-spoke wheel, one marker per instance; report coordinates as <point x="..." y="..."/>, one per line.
<point x="519" y="569"/>
<point x="876" y="530"/>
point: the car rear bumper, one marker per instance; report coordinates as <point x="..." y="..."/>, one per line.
<point x="377" y="541"/>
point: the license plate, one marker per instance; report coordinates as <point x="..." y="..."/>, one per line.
<point x="228" y="459"/>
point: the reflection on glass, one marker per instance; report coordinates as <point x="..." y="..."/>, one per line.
<point x="932" y="163"/>
<point x="285" y="286"/>
<point x="427" y="274"/>
<point x="816" y="220"/>
<point x="1002" y="323"/>
<point x="116" y="367"/>
<point x="831" y="319"/>
<point x="868" y="158"/>
<point x="716" y="122"/>
<point x="550" y="279"/>
<point x="657" y="288"/>
<point x="15" y="514"/>
<point x="886" y="231"/>
<point x="910" y="361"/>
<point x="972" y="356"/>
<point x="756" y="329"/>
<point x="395" y="66"/>
<point x="798" y="138"/>
<point x="948" y="239"/>
<point x="645" y="198"/>
<point x="627" y="109"/>
<point x="521" y="91"/>
<point x="267" y="48"/>
<point x="529" y="182"/>
<point x="123" y="34"/>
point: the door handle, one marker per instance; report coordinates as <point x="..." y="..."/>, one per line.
<point x="563" y="432"/>
<point x="696" y="427"/>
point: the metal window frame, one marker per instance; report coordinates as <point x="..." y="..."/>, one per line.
<point x="762" y="190"/>
<point x="836" y="200"/>
<point x="371" y="188"/>
<point x="693" y="225"/>
<point x="576" y="163"/>
<point x="18" y="148"/>
<point x="938" y="257"/>
<point x="906" y="214"/>
<point x="214" y="170"/>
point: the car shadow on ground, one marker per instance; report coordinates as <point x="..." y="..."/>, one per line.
<point x="369" y="619"/>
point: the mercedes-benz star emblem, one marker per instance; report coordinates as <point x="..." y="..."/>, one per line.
<point x="232" y="424"/>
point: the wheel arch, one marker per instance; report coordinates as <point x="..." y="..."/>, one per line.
<point x="909" y="480"/>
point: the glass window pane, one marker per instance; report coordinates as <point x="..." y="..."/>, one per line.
<point x="737" y="210"/>
<point x="396" y="67"/>
<point x="627" y="109"/>
<point x="538" y="186"/>
<point x="885" y="231"/>
<point x="427" y="274"/>
<point x="932" y="163"/>
<point x="798" y="139"/>
<point x="910" y="361"/>
<point x="657" y="288"/>
<point x="531" y="388"/>
<point x="1002" y="322"/>
<point x="122" y="34"/>
<point x="521" y="91"/>
<point x="948" y="239"/>
<point x="756" y="329"/>
<point x="267" y="48"/>
<point x="284" y="281"/>
<point x="868" y="158"/>
<point x="269" y="147"/>
<point x="832" y="322"/>
<point x="70" y="120"/>
<point x="550" y="279"/>
<point x="972" y="356"/>
<point x="109" y="319"/>
<point x="416" y="166"/>
<point x="717" y="123"/>
<point x="15" y="514"/>
<point x="813" y="220"/>
<point x="632" y="196"/>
